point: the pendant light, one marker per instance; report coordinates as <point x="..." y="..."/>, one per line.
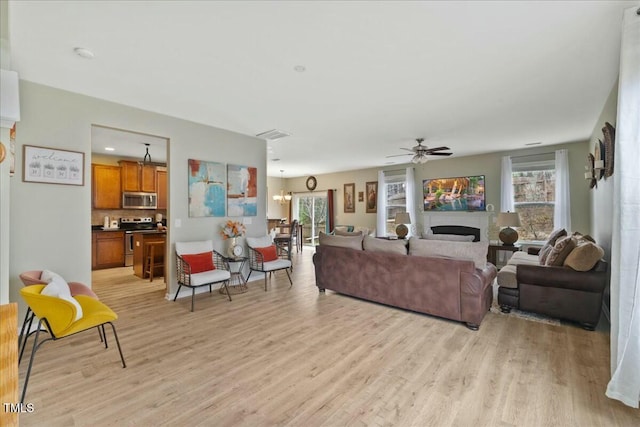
<point x="147" y="156"/>
<point x="282" y="198"/>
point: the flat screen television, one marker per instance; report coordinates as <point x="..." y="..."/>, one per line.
<point x="461" y="193"/>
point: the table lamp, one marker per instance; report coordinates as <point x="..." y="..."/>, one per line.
<point x="508" y="235"/>
<point x="402" y="218"/>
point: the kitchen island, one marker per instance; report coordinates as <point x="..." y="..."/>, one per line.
<point x="140" y="248"/>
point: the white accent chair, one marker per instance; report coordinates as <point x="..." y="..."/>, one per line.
<point x="190" y="276"/>
<point x="257" y="262"/>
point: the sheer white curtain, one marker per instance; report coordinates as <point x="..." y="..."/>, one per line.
<point x="410" y="191"/>
<point x="381" y="218"/>
<point x="625" y="244"/>
<point x="562" y="206"/>
<point x="506" y="195"/>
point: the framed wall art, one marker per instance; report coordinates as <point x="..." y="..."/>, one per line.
<point x="242" y="190"/>
<point x="207" y="188"/>
<point x="52" y="166"/>
<point x="371" y="202"/>
<point x="349" y="198"/>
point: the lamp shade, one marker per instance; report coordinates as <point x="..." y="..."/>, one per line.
<point x="508" y="219"/>
<point x="403" y="218"/>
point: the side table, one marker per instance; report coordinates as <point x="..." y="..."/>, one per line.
<point x="492" y="255"/>
<point x="237" y="282"/>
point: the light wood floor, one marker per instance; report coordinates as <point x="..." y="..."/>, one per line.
<point x="294" y="357"/>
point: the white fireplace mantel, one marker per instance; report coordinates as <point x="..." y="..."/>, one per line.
<point x="470" y="219"/>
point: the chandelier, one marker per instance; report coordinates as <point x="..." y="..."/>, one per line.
<point x="282" y="198"/>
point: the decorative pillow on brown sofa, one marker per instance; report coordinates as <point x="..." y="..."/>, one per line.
<point x="584" y="257"/>
<point x="544" y="253"/>
<point x="549" y="244"/>
<point x="351" y="242"/>
<point x="582" y="238"/>
<point x="381" y="245"/>
<point x="561" y="250"/>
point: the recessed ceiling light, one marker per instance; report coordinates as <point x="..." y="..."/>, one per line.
<point x="300" y="68"/>
<point x="109" y="149"/>
<point x="84" y="52"/>
<point x="533" y="143"/>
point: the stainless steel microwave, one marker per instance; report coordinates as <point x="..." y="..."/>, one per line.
<point x="139" y="200"/>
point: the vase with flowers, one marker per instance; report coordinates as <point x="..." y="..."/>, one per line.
<point x="231" y="230"/>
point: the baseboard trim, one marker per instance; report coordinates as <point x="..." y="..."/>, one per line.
<point x="186" y="292"/>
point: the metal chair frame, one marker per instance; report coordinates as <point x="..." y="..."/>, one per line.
<point x="52" y="337"/>
<point x="256" y="263"/>
<point x="183" y="271"/>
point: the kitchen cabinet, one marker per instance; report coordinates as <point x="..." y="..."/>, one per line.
<point x="138" y="177"/>
<point x="161" y="188"/>
<point x="105" y="186"/>
<point x="139" y="255"/>
<point x="107" y="249"/>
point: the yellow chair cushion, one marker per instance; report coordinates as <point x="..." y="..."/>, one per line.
<point x="61" y="314"/>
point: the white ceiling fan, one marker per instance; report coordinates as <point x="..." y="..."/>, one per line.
<point x="420" y="152"/>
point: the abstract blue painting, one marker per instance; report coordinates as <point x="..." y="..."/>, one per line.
<point x="207" y="188"/>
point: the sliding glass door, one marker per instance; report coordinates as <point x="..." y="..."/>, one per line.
<point x="311" y="211"/>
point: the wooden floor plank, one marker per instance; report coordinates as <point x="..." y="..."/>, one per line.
<point x="292" y="356"/>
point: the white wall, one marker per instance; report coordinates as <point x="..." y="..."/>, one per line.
<point x="51" y="224"/>
<point x="601" y="206"/>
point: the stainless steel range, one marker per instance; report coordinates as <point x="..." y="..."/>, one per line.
<point x="131" y="226"/>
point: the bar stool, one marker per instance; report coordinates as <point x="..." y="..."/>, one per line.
<point x="152" y="249"/>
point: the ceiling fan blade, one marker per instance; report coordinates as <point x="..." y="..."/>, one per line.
<point x="438" y="149"/>
<point x="409" y="149"/>
<point x="399" y="155"/>
<point x="439" y="154"/>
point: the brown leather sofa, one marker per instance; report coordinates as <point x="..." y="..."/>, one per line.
<point x="446" y="287"/>
<point x="559" y="292"/>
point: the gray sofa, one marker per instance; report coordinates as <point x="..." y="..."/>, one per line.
<point x="452" y="288"/>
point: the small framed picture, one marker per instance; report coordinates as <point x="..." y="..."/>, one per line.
<point x="52" y="166"/>
<point x="361" y="196"/>
<point x="372" y="197"/>
<point x="349" y="198"/>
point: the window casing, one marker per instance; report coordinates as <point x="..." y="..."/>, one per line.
<point x="396" y="200"/>
<point x="534" y="184"/>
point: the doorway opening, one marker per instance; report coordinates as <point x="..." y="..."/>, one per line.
<point x="128" y="166"/>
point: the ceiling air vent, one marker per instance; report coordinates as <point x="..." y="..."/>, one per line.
<point x="272" y="134"/>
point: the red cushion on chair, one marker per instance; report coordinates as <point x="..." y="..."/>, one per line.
<point x="200" y="262"/>
<point x="268" y="253"/>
